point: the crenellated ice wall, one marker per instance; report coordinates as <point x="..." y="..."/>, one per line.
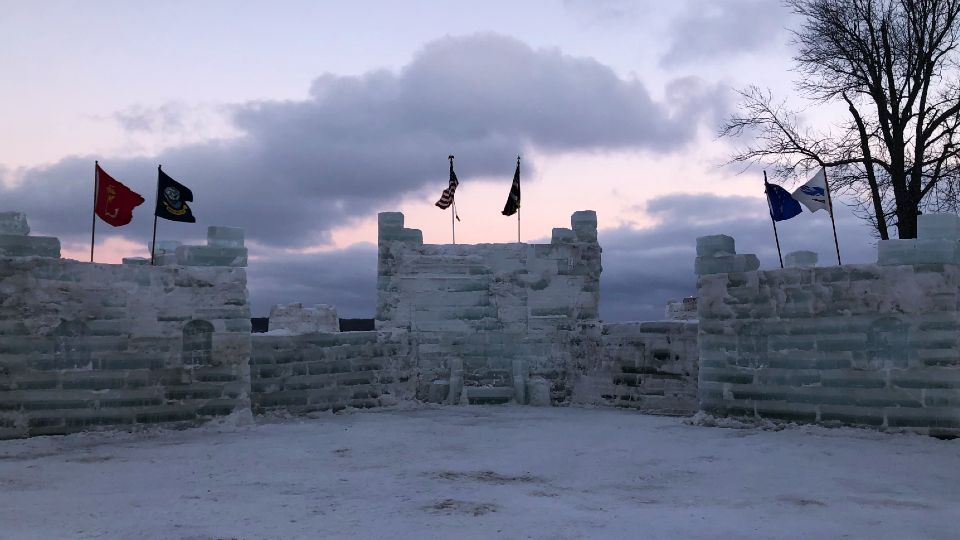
<point x="493" y="322"/>
<point x="869" y="344"/>
<point x="485" y="323"/>
<point x="84" y="346"/>
<point x="87" y="345"/>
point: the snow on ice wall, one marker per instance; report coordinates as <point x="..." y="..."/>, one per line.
<point x="493" y="322"/>
<point x="85" y="345"/>
<point x="875" y="344"/>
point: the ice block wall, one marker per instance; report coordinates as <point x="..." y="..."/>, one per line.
<point x="869" y="344"/>
<point x="490" y="320"/>
<point x="330" y="371"/>
<point x="648" y="366"/>
<point x="87" y="345"/>
<point x="484" y="323"/>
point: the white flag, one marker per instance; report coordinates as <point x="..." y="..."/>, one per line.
<point x="813" y="194"/>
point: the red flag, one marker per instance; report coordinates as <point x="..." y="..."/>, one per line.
<point x="115" y="201"/>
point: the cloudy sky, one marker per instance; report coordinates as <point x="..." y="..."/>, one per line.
<point x="300" y="120"/>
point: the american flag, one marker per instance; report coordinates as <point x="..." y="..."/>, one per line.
<point x="446" y="199"/>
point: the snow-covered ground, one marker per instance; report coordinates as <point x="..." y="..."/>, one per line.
<point x="481" y="472"/>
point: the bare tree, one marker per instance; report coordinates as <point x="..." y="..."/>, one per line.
<point x="892" y="64"/>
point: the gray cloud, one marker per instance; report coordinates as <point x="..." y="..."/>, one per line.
<point x="139" y="118"/>
<point x="721" y="29"/>
<point x="360" y="143"/>
<point x="607" y="12"/>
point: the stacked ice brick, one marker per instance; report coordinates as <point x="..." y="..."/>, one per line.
<point x="493" y="322"/>
<point x="871" y="344"/>
<point x="15" y="239"/>
<point x="224" y="248"/>
<point x="936" y="243"/>
<point x="88" y="345"/>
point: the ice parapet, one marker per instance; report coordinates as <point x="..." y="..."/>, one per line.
<point x="296" y="319"/>
<point x="14" y="223"/>
<point x="718" y="245"/>
<point x="224" y="248"/>
<point x="560" y="235"/>
<point x="800" y="259"/>
<point x="165" y="252"/>
<point x="938" y="242"/>
<point x="938" y="227"/>
<point x="681" y="310"/>
<point x="716" y="255"/>
<point x="219" y="236"/>
<point x="390" y="229"/>
<point x="16" y="242"/>
<point x="584" y="225"/>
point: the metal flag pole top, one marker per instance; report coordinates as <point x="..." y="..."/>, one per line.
<point x="775" y="235"/>
<point x="153" y="244"/>
<point x="96" y="186"/>
<point x="826" y="184"/>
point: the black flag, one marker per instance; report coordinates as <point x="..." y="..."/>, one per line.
<point x="172" y="199"/>
<point x="513" y="200"/>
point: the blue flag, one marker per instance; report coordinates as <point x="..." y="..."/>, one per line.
<point x="782" y="205"/>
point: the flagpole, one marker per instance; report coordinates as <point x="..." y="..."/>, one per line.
<point x="518" y="205"/>
<point x="775" y="235"/>
<point x="836" y="244"/>
<point x="96" y="186"/>
<point x="156" y="199"/>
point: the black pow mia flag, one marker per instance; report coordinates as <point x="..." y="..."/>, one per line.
<point x="513" y="199"/>
<point x="172" y="199"/>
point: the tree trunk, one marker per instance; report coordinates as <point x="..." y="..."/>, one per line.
<point x="907" y="221"/>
